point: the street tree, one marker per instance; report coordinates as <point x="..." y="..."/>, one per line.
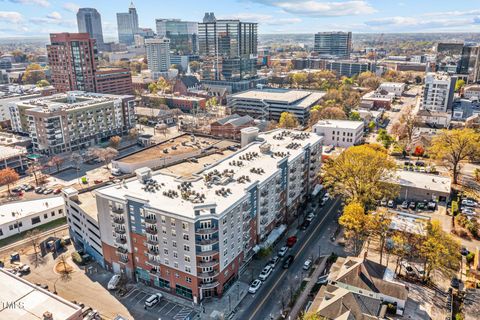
<point x="404" y="128"/>
<point x="7" y="177"/>
<point x="451" y="147"/>
<point x="332" y="113"/>
<point x="33" y="237"/>
<point x="43" y="83"/>
<point x="384" y="138"/>
<point x="356" y="224"/>
<point x="361" y="174"/>
<point x="56" y="162"/>
<point x="379" y="227"/>
<point x="35" y="169"/>
<point x="459" y="85"/>
<point x="106" y="155"/>
<point x="288" y="121"/>
<point x="114" y="142"/>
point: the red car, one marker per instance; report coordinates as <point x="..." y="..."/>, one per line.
<point x="291" y="241"/>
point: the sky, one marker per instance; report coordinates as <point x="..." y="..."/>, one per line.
<point x="40" y="17"/>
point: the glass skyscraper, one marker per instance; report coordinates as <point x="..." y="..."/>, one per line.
<point x="127" y="24"/>
<point x="182" y="35"/>
<point x="90" y="21"/>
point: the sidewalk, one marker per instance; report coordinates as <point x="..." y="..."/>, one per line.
<point x="225" y="306"/>
<point x="302" y="299"/>
<point x="168" y="296"/>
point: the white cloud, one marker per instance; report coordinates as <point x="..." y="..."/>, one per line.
<point x="70" y="6"/>
<point x="42" y="3"/>
<point x="262" y="18"/>
<point x="55" y="15"/>
<point x="316" y="8"/>
<point x="53" y="18"/>
<point x="10" y="17"/>
<point x="420" y="23"/>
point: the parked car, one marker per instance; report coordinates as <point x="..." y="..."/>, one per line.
<point x="307" y="264"/>
<point x="421" y="205"/>
<point x="47" y="191"/>
<point x="291" y="241"/>
<point x="464" y="251"/>
<point x="153" y="300"/>
<point x="310" y="217"/>
<point x="323" y="279"/>
<point x="469" y="203"/>
<point x="420" y="164"/>
<point x="455" y="283"/>
<point x="24" y="269"/>
<point x="57" y="191"/>
<point x="305" y="225"/>
<point x="405" y="205"/>
<point x="254" y="286"/>
<point x="468" y="211"/>
<point x="16" y="189"/>
<point x="39" y="190"/>
<point x="288" y="262"/>
<point x="273" y="262"/>
<point x="283" y="251"/>
<point x="383" y="203"/>
<point x="112" y="284"/>
<point x="432" y="205"/>
<point x="390" y="204"/>
<point x="265" y="273"/>
<point x="412" y="205"/>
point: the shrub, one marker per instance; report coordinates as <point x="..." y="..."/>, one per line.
<point x="470" y="257"/>
<point x="77" y="258"/>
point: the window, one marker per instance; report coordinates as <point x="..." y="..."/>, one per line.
<point x="184" y="226"/>
<point x="187" y="269"/>
<point x="165" y="251"/>
<point x="174" y="233"/>
<point x="174" y="244"/>
<point x="186" y="248"/>
<point x="188" y="279"/>
<point x="45" y="216"/>
<point x="175" y="254"/>
<point x="35" y="220"/>
<point x="164" y="230"/>
<point x="185" y="237"/>
<point x="60" y="211"/>
<point x="175" y="264"/>
<point x="163" y="219"/>
<point x="52" y="213"/>
<point x="187" y="259"/>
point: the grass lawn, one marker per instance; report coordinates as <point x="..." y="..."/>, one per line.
<point x="44" y="227"/>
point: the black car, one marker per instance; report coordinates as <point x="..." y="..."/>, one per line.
<point x="464" y="251"/>
<point x="288" y="262"/>
<point x="455" y="283"/>
<point x="420" y="164"/>
<point x="305" y="225"/>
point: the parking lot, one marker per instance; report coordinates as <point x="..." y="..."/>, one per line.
<point x="164" y="310"/>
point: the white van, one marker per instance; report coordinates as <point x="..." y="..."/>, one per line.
<point x="153" y="300"/>
<point x="112" y="284"/>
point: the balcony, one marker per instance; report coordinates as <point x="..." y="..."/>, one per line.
<point x="152" y="242"/>
<point x="151" y="231"/>
<point x="207" y="241"/>
<point x="263" y="212"/>
<point x="264" y="193"/>
<point x="151" y="219"/>
<point x="120" y="231"/>
<point x="207" y="253"/>
<point x="206" y="264"/>
<point x="210" y="285"/>
<point x="121" y="240"/>
<point x="208" y="274"/>
<point x="117" y="210"/>
<point x="206" y="230"/>
<point x="120" y="220"/>
<point x="122" y="250"/>
<point x="293" y="178"/>
<point x="153" y="250"/>
<point x="123" y="259"/>
<point x="153" y="262"/>
<point x="264" y="203"/>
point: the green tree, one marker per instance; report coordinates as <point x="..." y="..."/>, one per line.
<point x="287" y="120"/>
<point x="451" y="147"/>
<point x="355" y="116"/>
<point x="384" y="138"/>
<point x="152" y="88"/>
<point x="371" y="126"/>
<point x="361" y="174"/>
<point x="33" y="74"/>
<point x="404" y="128"/>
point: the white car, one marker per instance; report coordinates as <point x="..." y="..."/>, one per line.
<point x="112" y="284"/>
<point x="254" y="286"/>
<point x="282" y="252"/>
<point x="307" y="264"/>
<point x="153" y="300"/>
<point x="468" y="211"/>
<point x="265" y="273"/>
<point x="469" y="203"/>
<point x="310" y="217"/>
<point x="273" y="262"/>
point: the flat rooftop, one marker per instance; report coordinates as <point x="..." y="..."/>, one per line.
<point x="410" y="223"/>
<point x="31" y="302"/>
<point x="9" y="152"/>
<point x="341" y="124"/>
<point x="222" y="184"/>
<point x="301" y="98"/>
<point x="27" y="208"/>
<point x="176" y="146"/>
<point x="424" y="181"/>
<point x="68" y="101"/>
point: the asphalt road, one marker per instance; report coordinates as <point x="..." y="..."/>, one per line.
<point x="267" y="302"/>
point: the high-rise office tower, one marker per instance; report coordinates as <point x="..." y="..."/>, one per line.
<point x="209" y="17"/>
<point x="337" y="44"/>
<point x="182" y="34"/>
<point x="158" y="55"/>
<point x="229" y="49"/>
<point x="73" y="60"/>
<point x="90" y="21"/>
<point x="127" y="23"/>
<point x="470" y="62"/>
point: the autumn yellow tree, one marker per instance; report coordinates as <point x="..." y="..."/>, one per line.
<point x="361" y="174"/>
<point x="451" y="147"/>
<point x="356" y="224"/>
<point x="7" y="177"/>
<point x="332" y="113"/>
<point x="115" y="142"/>
<point x="288" y="120"/>
<point x="33" y="74"/>
<point x="404" y="128"/>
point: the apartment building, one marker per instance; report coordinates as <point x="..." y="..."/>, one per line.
<point x="13" y="157"/>
<point x="337" y="44"/>
<point x="82" y="219"/>
<point x="191" y="236"/>
<point x="438" y="92"/>
<point x="268" y="104"/>
<point x="74" y="120"/>
<point x="340" y="133"/>
<point x="158" y="56"/>
<point x="114" y="81"/>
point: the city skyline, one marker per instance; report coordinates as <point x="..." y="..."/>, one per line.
<point x="39" y="17"/>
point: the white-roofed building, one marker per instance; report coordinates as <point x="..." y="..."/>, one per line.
<point x="23" y="300"/>
<point x="396" y="88"/>
<point x="191" y="236"/>
<point x="423" y="186"/>
<point x="340" y="133"/>
<point x="268" y="104"/>
<point x="16" y="217"/>
<point x="13" y="157"/>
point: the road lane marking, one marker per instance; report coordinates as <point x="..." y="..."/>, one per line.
<point x="298" y="253"/>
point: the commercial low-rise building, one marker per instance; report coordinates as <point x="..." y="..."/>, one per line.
<point x="13" y="157"/>
<point x="269" y="104"/>
<point x="419" y="186"/>
<point x="16" y="217"/>
<point x="396" y="88"/>
<point x="378" y="99"/>
<point x="24" y="300"/>
<point x="191" y="236"/>
<point x="74" y="120"/>
<point x="114" y="81"/>
<point x="184" y="103"/>
<point x="230" y="126"/>
<point x="340" y="133"/>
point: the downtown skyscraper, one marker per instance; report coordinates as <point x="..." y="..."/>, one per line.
<point x="127" y="24"/>
<point x="90" y="21"/>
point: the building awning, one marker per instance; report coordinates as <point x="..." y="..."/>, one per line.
<point x="273" y="236"/>
<point x="317" y="189"/>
